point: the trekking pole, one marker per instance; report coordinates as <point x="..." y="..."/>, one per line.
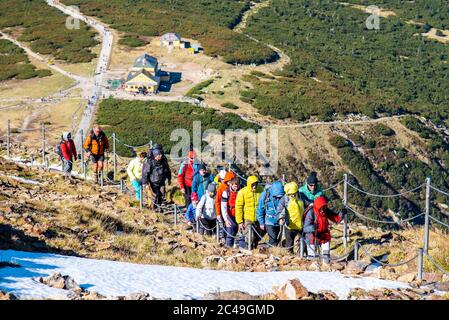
<point x="141" y="197"/>
<point x="250" y="236"/>
<point x="175" y="211"/>
<point x="8" y="141"/>
<point x="420" y="263"/>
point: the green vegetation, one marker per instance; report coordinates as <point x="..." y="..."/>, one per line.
<point x="433" y="12"/>
<point x="132" y="41"/>
<point x="14" y="63"/>
<point x="371" y="72"/>
<point x="137" y="122"/>
<point x="45" y="28"/>
<point x="338" y="141"/>
<point x="381" y="129"/>
<point x="198" y="89"/>
<point x="209" y="22"/>
<point x="229" y="105"/>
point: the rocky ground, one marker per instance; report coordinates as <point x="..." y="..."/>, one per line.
<point x="44" y="212"/>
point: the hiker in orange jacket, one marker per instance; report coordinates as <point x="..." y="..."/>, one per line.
<point x="95" y="145"/>
<point x="222" y="187"/>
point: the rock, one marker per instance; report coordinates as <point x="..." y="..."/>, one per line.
<point x="139" y="296"/>
<point x="7" y="296"/>
<point x="92" y="295"/>
<point x="432" y="277"/>
<point x="328" y="295"/>
<point x="58" y="281"/>
<point x="230" y="295"/>
<point x="292" y="290"/>
<point x="355" y="267"/>
<point x="314" y="266"/>
<point x="212" y="259"/>
<point x="408" y="277"/>
<point x="442" y="286"/>
<point x="338" y="266"/>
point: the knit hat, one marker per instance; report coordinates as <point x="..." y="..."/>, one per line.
<point x="191" y="154"/>
<point x="201" y="166"/>
<point x="194" y="196"/>
<point x="66" y="136"/>
<point x="312" y="179"/>
<point x="222" y="174"/>
<point x="156" y="152"/>
<point x="211" y="188"/>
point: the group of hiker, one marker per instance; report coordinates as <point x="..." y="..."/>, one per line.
<point x="239" y="207"/>
<point x="234" y="205"/>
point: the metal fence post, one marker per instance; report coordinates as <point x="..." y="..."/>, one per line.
<point x="198" y="225"/>
<point x="301" y="247"/>
<point x="217" y="225"/>
<point x="420" y="263"/>
<point x="8" y="141"/>
<point x="122" y="185"/>
<point x="345" y="203"/>
<point x="83" y="166"/>
<point x="356" y="251"/>
<point x="283" y="178"/>
<point x="115" y="155"/>
<point x="43" y="145"/>
<point x="426" y="220"/>
<point x="101" y="179"/>
<point x="175" y="211"/>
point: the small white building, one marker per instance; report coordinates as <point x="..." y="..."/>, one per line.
<point x="171" y="40"/>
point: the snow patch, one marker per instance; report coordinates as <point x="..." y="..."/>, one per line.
<point x="112" y="278"/>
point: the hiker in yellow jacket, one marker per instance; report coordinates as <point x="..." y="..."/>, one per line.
<point x="245" y="211"/>
<point x="135" y="172"/>
<point x="290" y="211"/>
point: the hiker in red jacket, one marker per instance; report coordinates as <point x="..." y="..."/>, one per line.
<point x="68" y="152"/>
<point x="185" y="177"/>
<point x="316" y="227"/>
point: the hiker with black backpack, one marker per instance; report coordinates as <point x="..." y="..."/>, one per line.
<point x="267" y="211"/>
<point x="290" y="211"/>
<point x="154" y="176"/>
<point x="67" y="152"/>
<point x="95" y="145"/>
<point x="164" y="160"/>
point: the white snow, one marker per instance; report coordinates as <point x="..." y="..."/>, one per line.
<point x="112" y="278"/>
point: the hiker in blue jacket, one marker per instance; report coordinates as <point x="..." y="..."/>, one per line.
<point x="201" y="180"/>
<point x="266" y="211"/>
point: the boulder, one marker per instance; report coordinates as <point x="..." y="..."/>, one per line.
<point x="139" y="296"/>
<point x="59" y="281"/>
<point x="327" y="295"/>
<point x="442" y="286"/>
<point x="7" y="296"/>
<point x="355" y="267"/>
<point x="230" y="295"/>
<point x="207" y="261"/>
<point x="408" y="277"/>
<point x="292" y="290"/>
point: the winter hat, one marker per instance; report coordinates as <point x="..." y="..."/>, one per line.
<point x="191" y="154"/>
<point x="194" y="196"/>
<point x="66" y="136"/>
<point x="156" y="152"/>
<point x="222" y="174"/>
<point x="158" y="146"/>
<point x="211" y="188"/>
<point x="312" y="179"/>
<point x="291" y="188"/>
<point x="201" y="166"/>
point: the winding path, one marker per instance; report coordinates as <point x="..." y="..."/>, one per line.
<point x="103" y="62"/>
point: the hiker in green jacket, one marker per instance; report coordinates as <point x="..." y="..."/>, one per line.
<point x="310" y="190"/>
